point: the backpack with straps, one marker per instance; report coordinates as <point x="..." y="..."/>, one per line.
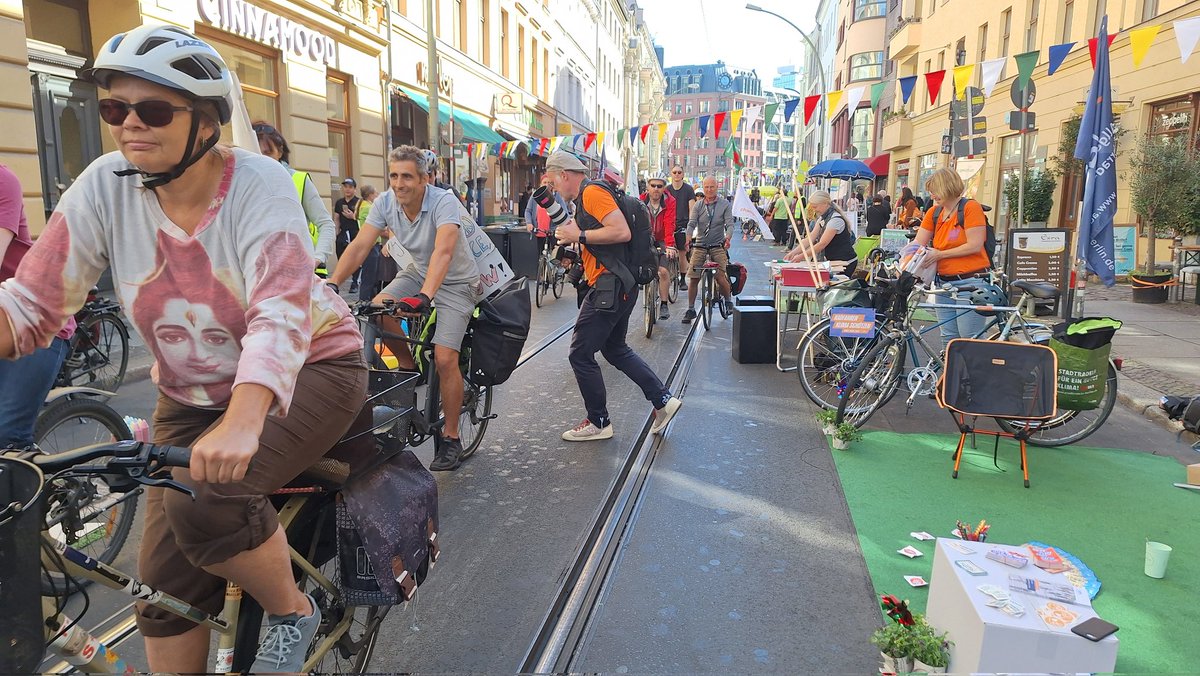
<point x="634" y="261"/>
<point x="989" y="238"/>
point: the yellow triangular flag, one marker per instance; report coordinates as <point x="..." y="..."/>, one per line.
<point x="735" y="116"/>
<point x="962" y="79"/>
<point x="833" y="99"/>
<point x="1140" y="40"/>
<point x="662" y="131"/>
<point x="600" y="139"/>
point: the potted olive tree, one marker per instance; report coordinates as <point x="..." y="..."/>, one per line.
<point x="1039" y="197"/>
<point x="1164" y="189"/>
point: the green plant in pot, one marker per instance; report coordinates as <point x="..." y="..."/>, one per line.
<point x="826" y="419"/>
<point x="844" y="434"/>
<point x="1039" y="196"/>
<point x="930" y="648"/>
<point x="1165" y="192"/>
<point x="895" y="643"/>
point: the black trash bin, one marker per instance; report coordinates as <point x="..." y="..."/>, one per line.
<point x="20" y="591"/>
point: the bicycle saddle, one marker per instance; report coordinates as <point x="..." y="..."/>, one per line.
<point x="1038" y="289"/>
<point x="355" y="447"/>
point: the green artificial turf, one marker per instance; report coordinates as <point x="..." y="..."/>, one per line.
<point x="1100" y="505"/>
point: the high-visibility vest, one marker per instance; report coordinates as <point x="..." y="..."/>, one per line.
<point x="298" y="179"/>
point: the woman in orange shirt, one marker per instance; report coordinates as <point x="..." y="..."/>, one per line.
<point x="957" y="249"/>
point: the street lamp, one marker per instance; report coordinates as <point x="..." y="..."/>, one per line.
<point x="817" y="52"/>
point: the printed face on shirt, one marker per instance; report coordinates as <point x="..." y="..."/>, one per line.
<point x="152" y="149"/>
<point x="194" y="345"/>
<point x="710" y="189"/>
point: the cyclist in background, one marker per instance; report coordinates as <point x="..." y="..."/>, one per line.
<point x="35" y="372"/>
<point x="661" y="205"/>
<point x="537" y="220"/>
<point x="425" y="220"/>
<point x="255" y="358"/>
<point x="320" y="225"/>
<point x="712" y="223"/>
<point x="685" y="199"/>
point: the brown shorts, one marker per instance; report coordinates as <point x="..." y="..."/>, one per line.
<point x="716" y="254"/>
<point x="180" y="535"/>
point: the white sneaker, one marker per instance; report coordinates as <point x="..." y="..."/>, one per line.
<point x="586" y="431"/>
<point x="663" y="416"/>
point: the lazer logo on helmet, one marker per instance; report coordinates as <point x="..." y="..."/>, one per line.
<point x="190" y="43"/>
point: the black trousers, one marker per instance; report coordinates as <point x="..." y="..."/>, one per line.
<point x="604" y="331"/>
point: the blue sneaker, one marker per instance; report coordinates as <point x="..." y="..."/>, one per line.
<point x="285" y="646"/>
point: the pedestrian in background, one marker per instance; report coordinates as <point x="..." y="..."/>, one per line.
<point x="320" y="226"/>
<point x="25" y="382"/>
<point x="877" y="217"/>
<point x="523" y="199"/>
<point x="345" y="210"/>
<point x="374" y="274"/>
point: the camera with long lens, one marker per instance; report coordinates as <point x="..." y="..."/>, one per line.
<point x="545" y="199"/>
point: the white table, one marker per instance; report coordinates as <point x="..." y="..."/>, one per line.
<point x="807" y="313"/>
<point x="989" y="640"/>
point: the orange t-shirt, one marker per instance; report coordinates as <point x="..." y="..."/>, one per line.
<point x="599" y="203"/>
<point x="948" y="233"/>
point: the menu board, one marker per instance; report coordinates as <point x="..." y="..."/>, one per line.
<point x="893" y="240"/>
<point x="1039" y="255"/>
<point x="1124" y="248"/>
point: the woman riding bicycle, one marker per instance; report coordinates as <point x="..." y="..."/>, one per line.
<point x="256" y="359"/>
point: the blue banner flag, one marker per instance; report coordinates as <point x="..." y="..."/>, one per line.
<point x="1097" y="146"/>
<point x="1058" y="53"/>
<point x="789" y="107"/>
<point x="906" y="87"/>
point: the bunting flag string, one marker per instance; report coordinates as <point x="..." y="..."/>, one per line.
<point x="1058" y="53"/>
<point x="704" y="125"/>
<point x="991" y="70"/>
<point x="588" y="141"/>
<point x="769" y="113"/>
<point x="600" y="139"/>
<point x="633" y="137"/>
<point x="831" y="101"/>
<point x="907" y="85"/>
<point x="735" y="116"/>
<point x="662" y="131"/>
<point x="642" y="134"/>
<point x="876" y="94"/>
<point x="1092" y="46"/>
<point x="962" y="79"/>
<point x="854" y="96"/>
<point x="1140" y="41"/>
<point x="1187" y="33"/>
<point x="687" y="125"/>
<point x="933" y="81"/>
<point x="1025" y="64"/>
<point x="718" y="122"/>
<point x="541" y="146"/>
<point x="789" y="107"/>
<point x="620" y="138"/>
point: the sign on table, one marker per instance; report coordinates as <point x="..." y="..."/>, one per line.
<point x="852" y="322"/>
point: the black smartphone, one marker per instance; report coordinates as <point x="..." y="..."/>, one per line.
<point x="1094" y="629"/>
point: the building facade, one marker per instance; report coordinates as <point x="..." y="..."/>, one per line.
<point x="697" y="90"/>
<point x="644" y="72"/>
<point x="1161" y="96"/>
<point x="782" y="144"/>
<point x="818" y="77"/>
<point x="859" y="62"/>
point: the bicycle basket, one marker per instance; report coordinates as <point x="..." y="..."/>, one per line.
<point x="21" y="484"/>
<point x="395" y="390"/>
<point x="850" y="293"/>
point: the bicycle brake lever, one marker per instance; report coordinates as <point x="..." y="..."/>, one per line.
<point x="148" y="480"/>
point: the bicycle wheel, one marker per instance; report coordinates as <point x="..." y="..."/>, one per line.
<point x="706" y="302"/>
<point x="672" y="279"/>
<point x="100" y="353"/>
<point x="824" y="362"/>
<point x="648" y="308"/>
<point x="1069" y="427"/>
<point x="539" y="291"/>
<point x="560" y="280"/>
<point x="873" y="383"/>
<point x="82" y="511"/>
<point x="473" y="421"/>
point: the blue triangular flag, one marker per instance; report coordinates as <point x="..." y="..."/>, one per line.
<point x="789" y="107"/>
<point x="533" y="147"/>
<point x="704" y="125"/>
<point x="575" y="141"/>
<point x="1057" y="54"/>
<point x="496" y="148"/>
<point x="906" y="87"/>
<point x="633" y="137"/>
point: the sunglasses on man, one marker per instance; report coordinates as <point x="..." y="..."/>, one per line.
<point x="152" y="113"/>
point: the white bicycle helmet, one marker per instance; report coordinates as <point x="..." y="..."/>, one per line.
<point x="173" y="58"/>
<point x="431" y="161"/>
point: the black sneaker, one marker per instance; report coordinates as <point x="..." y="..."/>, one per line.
<point x="728" y="306"/>
<point x="449" y="456"/>
<point x="663" y="313"/>
<point x="353" y="287"/>
<point x="689" y="316"/>
<point x="682" y="284"/>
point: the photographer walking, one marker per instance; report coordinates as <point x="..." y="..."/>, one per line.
<point x="600" y="227"/>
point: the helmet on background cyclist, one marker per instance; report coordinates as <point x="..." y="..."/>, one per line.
<point x="431" y="161"/>
<point x="613" y="177"/>
<point x="170" y="57"/>
<point x="988" y="294"/>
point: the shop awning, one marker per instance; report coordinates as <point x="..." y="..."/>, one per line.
<point x="473" y="127"/>
<point x="879" y="163"/>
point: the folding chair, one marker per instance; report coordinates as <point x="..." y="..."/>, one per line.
<point x="1011" y="381"/>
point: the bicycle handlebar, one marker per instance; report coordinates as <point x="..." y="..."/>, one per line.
<point x="127" y="457"/>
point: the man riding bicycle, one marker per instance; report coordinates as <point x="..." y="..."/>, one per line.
<point x="661" y="205"/>
<point x="425" y="221"/>
<point x="255" y="359"/>
<point x="712" y="224"/>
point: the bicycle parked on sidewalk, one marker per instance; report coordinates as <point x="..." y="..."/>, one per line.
<point x="881" y="371"/>
<point x="99" y="347"/>
<point x="551" y="277"/>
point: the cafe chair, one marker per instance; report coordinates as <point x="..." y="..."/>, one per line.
<point x="1011" y="381"/>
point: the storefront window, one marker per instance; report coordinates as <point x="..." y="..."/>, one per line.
<point x="337" y="103"/>
<point x="1173" y="118"/>
<point x="255" y="68"/>
<point x="1010" y="167"/>
<point x="861" y="126"/>
<point x="927" y="164"/>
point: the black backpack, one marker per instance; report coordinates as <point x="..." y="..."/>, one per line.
<point x="500" y="328"/>
<point x="637" y="259"/>
<point x="989" y="239"/>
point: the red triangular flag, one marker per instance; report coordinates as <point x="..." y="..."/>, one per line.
<point x="588" y="141"/>
<point x="810" y="104"/>
<point x="934" y="82"/>
<point x="542" y="146"/>
<point x="470" y="149"/>
<point x="642" y="134"/>
<point x="718" y="120"/>
<point x="1092" y="46"/>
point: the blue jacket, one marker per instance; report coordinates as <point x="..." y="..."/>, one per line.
<point x="532" y="207"/>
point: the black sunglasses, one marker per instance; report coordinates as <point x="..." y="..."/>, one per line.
<point x="153" y="113"/>
<point x="658" y="185"/>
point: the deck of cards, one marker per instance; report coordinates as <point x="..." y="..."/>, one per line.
<point x="1008" y="557"/>
<point x="1001" y="600"/>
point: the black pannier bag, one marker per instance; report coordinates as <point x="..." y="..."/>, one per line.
<point x="500" y="329"/>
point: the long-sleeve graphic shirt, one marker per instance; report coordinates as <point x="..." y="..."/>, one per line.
<point x="234" y="302"/>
